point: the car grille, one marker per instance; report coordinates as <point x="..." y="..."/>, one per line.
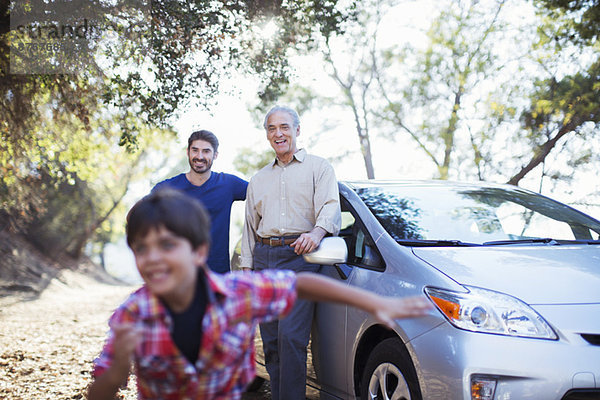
<point x="582" y="394"/>
<point x="592" y="339"/>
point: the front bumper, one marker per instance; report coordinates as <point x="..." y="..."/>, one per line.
<point x="524" y="368"/>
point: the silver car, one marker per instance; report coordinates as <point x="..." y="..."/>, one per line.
<point x="514" y="277"/>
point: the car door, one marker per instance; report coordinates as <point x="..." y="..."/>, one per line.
<point x="328" y="339"/>
<point x="328" y="349"/>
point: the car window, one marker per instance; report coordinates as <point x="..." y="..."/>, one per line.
<point x="347" y="223"/>
<point x="362" y="251"/>
<point x="517" y="221"/>
<point x="474" y="214"/>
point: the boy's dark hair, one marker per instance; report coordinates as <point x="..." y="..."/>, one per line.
<point x="207" y="136"/>
<point x="182" y="215"/>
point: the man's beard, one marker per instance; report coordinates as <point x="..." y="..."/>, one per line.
<point x="199" y="169"/>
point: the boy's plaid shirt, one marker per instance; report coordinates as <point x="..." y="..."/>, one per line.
<point x="225" y="366"/>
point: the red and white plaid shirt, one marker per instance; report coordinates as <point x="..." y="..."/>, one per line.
<point x="225" y="366"/>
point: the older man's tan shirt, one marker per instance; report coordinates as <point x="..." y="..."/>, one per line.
<point x="290" y="199"/>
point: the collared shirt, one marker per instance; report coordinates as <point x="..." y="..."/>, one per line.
<point x="290" y="199"/>
<point x="225" y="365"/>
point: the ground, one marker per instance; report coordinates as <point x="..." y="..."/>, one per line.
<point x="49" y="341"/>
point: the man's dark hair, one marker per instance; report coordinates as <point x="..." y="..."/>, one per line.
<point x="207" y="136"/>
<point x="180" y="214"/>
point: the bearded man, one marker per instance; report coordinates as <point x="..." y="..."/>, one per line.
<point x="215" y="190"/>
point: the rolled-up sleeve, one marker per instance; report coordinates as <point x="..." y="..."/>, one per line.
<point x="327" y="200"/>
<point x="251" y="221"/>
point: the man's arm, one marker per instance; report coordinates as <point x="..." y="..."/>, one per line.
<point x="251" y="220"/>
<point x="317" y="287"/>
<point x="240" y="187"/>
<point x="327" y="210"/>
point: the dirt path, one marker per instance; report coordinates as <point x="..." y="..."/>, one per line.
<point x="47" y="344"/>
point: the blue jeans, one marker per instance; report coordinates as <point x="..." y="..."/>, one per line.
<point x="285" y="340"/>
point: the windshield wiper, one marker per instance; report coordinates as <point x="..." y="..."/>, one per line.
<point x="435" y="243"/>
<point x="458" y="243"/>
<point x="577" y="241"/>
<point x="519" y="241"/>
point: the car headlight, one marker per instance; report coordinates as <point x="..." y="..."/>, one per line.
<point x="482" y="310"/>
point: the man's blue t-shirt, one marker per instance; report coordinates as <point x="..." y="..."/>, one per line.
<point x="217" y="194"/>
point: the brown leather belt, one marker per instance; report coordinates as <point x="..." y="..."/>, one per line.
<point x="278" y="241"/>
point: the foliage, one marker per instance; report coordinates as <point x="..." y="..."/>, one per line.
<point x="68" y="184"/>
<point x="421" y="92"/>
<point x="489" y="94"/>
<point x="80" y="124"/>
<point x="579" y="19"/>
<point x="564" y="106"/>
<point x="559" y="108"/>
<point x="249" y="161"/>
<point x="192" y="46"/>
<point x="444" y="80"/>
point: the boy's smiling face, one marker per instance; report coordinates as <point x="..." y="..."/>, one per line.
<point x="168" y="265"/>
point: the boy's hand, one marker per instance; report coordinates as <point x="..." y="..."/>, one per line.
<point x="127" y="338"/>
<point x="391" y="308"/>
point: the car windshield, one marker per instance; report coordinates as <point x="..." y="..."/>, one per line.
<point x="475" y="215"/>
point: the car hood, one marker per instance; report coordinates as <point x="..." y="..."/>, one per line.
<point x="565" y="274"/>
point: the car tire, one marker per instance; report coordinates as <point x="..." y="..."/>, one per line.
<point x="389" y="374"/>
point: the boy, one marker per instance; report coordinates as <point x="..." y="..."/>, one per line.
<point x="189" y="331"/>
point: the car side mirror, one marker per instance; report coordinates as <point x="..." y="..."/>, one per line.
<point x="332" y="250"/>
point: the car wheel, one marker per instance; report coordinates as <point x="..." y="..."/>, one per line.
<point x="389" y="374"/>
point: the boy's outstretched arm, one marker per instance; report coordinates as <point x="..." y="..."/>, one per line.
<point x="317" y="287"/>
<point x="107" y="385"/>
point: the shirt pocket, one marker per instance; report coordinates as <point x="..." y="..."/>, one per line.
<point x="301" y="195"/>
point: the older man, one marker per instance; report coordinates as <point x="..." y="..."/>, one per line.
<point x="291" y="204"/>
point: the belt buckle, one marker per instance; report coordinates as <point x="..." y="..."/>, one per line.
<point x="274" y="242"/>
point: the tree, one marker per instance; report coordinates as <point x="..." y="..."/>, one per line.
<point x="406" y="89"/>
<point x="358" y="76"/>
<point x="560" y="108"/>
<point x="249" y="161"/>
<point x="89" y="90"/>
<point x="483" y="96"/>
<point x="437" y="103"/>
<point x="564" y="104"/>
<point x="165" y="53"/>
<point x="579" y="20"/>
<point x="69" y="184"/>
